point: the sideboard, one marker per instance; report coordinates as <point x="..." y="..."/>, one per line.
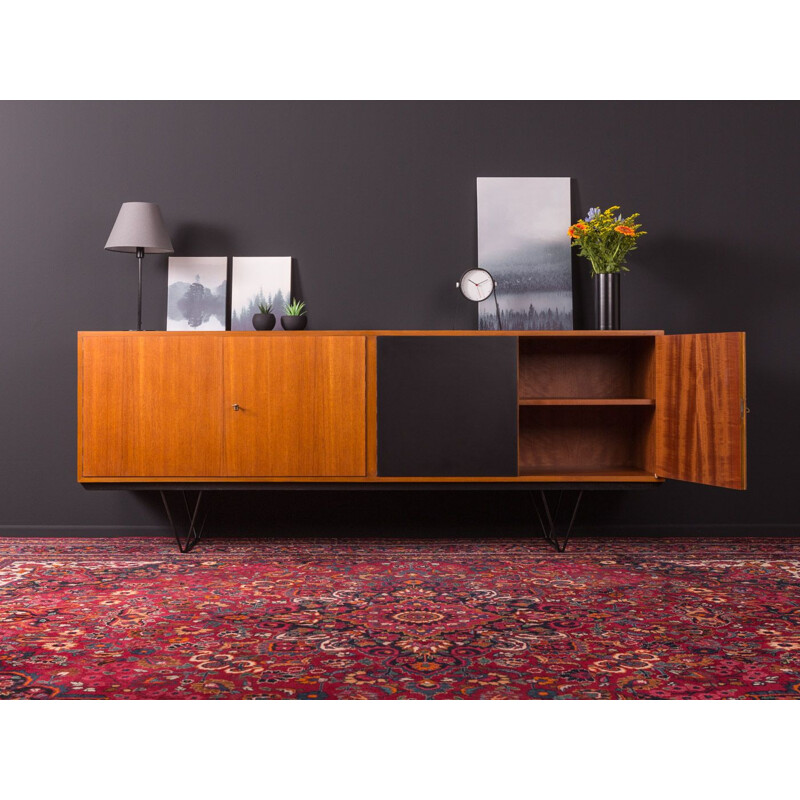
<point x="533" y="409"/>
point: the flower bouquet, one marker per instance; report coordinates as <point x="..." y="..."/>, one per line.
<point x="606" y="239"/>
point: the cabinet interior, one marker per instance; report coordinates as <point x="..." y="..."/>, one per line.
<point x="588" y="368"/>
<point x="586" y="406"/>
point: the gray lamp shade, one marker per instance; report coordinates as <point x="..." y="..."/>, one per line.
<point x="139" y="225"/>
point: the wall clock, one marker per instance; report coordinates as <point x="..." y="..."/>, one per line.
<point x="477" y="285"/>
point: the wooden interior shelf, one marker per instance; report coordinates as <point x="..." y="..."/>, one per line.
<point x="601" y="369"/>
<point x="585" y="439"/>
<point x="625" y="474"/>
<point x="587" y="401"/>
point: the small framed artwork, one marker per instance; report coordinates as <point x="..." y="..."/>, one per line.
<point x="255" y="281"/>
<point x="522" y="242"/>
<point x="197" y="289"/>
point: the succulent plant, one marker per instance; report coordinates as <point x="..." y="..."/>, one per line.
<point x="265" y="308"/>
<point x="295" y="308"/>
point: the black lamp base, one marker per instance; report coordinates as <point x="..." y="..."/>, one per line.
<point x="140" y="256"/>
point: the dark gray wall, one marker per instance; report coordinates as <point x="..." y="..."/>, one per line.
<point x="376" y="202"/>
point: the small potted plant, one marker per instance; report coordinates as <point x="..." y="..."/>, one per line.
<point x="265" y="321"/>
<point x="295" y="318"/>
<point x="605" y="239"/>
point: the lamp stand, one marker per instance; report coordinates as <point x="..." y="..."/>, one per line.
<point x="140" y="256"/>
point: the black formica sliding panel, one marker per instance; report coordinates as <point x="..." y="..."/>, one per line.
<point x="447" y="405"/>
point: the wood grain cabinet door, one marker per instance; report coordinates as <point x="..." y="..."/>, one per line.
<point x="150" y="406"/>
<point x="295" y="406"/>
<point x="701" y="405"/>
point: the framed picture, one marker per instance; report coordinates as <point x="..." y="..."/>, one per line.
<point x="254" y="280"/>
<point x="523" y="243"/>
<point x="197" y="290"/>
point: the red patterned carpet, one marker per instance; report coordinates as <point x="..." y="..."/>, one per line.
<point x="132" y="618"/>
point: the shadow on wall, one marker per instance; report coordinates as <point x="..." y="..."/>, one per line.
<point x="297" y="288"/>
<point x="334" y="513"/>
<point x="695" y="284"/>
<point x="697" y="280"/>
<point x="202" y="239"/>
<point x="582" y="311"/>
<point x="701" y="284"/>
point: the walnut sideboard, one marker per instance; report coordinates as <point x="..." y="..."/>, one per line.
<point x="543" y="410"/>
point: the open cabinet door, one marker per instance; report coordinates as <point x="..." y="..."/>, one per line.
<point x="701" y="405"/>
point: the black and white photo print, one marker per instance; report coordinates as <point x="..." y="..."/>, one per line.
<point x="196" y="293"/>
<point x="259" y="280"/>
<point x="523" y="243"/>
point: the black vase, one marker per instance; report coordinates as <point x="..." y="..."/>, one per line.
<point x="606" y="301"/>
<point x="263" y="322"/>
<point x="294" y="323"/>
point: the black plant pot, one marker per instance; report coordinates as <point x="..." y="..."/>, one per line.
<point x="606" y="301"/>
<point x="263" y="322"/>
<point x="294" y="323"/>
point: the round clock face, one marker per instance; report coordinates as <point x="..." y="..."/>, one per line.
<point x="476" y="284"/>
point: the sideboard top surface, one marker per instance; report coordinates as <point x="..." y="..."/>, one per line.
<point x="581" y="334"/>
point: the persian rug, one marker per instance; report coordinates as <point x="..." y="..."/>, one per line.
<point x="423" y="619"/>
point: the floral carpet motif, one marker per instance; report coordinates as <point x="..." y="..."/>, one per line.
<point x="324" y="618"/>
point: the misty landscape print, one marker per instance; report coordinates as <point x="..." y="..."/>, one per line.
<point x="196" y="293"/>
<point x="259" y="280"/>
<point x="523" y="243"/>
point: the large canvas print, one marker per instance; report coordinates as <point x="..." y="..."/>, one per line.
<point x="257" y="280"/>
<point x="523" y="243"/>
<point x="196" y="293"/>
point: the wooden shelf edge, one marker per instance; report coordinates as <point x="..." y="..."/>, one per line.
<point x="531" y="476"/>
<point x="586" y="401"/>
<point x="612" y="474"/>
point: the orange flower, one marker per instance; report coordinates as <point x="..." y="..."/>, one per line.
<point x="576" y="230"/>
<point x="624" y="229"/>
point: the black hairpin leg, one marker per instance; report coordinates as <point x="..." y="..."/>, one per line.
<point x="193" y="533"/>
<point x="549" y="520"/>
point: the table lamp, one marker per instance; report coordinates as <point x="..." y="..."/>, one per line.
<point x="139" y="229"/>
